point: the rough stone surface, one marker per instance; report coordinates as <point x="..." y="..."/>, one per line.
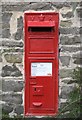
<point x="18" y="35"/>
<point x="68" y="14"/>
<point x="78" y="61"/>
<point x="19" y="109"/>
<point x="6" y="33"/>
<point x="6" y="17"/>
<point x="0" y="58"/>
<point x="11" y="43"/>
<point x="7" y="108"/>
<point x="65" y="73"/>
<point x="66" y="40"/>
<point x="79" y="11"/>
<point x="65" y="90"/>
<point x="77" y="58"/>
<point x="71" y="30"/>
<point x="11" y="71"/>
<point x="66" y="23"/>
<point x="65" y="60"/>
<point x="5" y="26"/>
<point x="15" y="86"/>
<point x="12" y="98"/>
<point x="77" y="55"/>
<point x="70" y="48"/>
<point x="13" y="50"/>
<point x="14" y="58"/>
<point x="60" y="5"/>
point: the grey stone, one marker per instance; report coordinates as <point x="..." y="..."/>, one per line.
<point x="79" y="11"/>
<point x="77" y="55"/>
<point x="37" y="6"/>
<point x="13" y="58"/>
<point x="6" y="108"/>
<point x="80" y="30"/>
<point x="80" y="3"/>
<point x="65" y="90"/>
<point x="70" y="49"/>
<point x="66" y="23"/>
<point x="65" y="60"/>
<point x="6" y="17"/>
<point x="5" y="25"/>
<point x="66" y="40"/>
<point x="13" y="50"/>
<point x="19" y="110"/>
<point x="15" y="86"/>
<point x="59" y="5"/>
<point x="63" y="73"/>
<point x="9" y="43"/>
<point x="77" y="58"/>
<point x="6" y="33"/>
<point x="20" y="22"/>
<point x="19" y="34"/>
<point x="0" y="58"/>
<point x="78" y="61"/>
<point x="15" y="6"/>
<point x="12" y="98"/>
<point x="70" y="30"/>
<point x="68" y="15"/>
<point x="11" y="71"/>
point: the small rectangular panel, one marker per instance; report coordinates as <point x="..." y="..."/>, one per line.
<point x="41" y="45"/>
<point x="41" y="69"/>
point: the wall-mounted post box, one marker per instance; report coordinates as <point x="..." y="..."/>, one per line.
<point x="41" y="63"/>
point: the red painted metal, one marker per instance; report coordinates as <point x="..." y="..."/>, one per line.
<point x="41" y="53"/>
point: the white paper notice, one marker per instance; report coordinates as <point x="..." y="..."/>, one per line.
<point x="41" y="69"/>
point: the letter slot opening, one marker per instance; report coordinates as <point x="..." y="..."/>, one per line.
<point x="41" y="29"/>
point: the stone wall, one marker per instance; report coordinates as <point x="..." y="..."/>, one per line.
<point x="12" y="50"/>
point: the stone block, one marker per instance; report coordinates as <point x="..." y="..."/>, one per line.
<point x="59" y="5"/>
<point x="65" y="60"/>
<point x="66" y="23"/>
<point x="63" y="73"/>
<point x="5" y="25"/>
<point x="77" y="58"/>
<point x="66" y="40"/>
<point x="65" y="90"/>
<point x="68" y="14"/>
<point x="15" y="86"/>
<point x="6" y="17"/>
<point x="11" y="71"/>
<point x="11" y="43"/>
<point x="12" y="98"/>
<point x="13" y="58"/>
<point x="70" y="48"/>
<point x="78" y="61"/>
<point x="80" y="30"/>
<point x="37" y="6"/>
<point x="20" y="22"/>
<point x="69" y="30"/>
<point x="18" y="35"/>
<point x="0" y="58"/>
<point x="19" y="109"/>
<point x="6" y="109"/>
<point x="13" y="50"/>
<point x="77" y="55"/>
<point x="79" y="11"/>
<point x="6" y="33"/>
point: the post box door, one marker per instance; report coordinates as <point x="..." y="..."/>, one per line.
<point x="42" y="87"/>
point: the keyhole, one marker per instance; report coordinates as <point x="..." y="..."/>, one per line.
<point x="34" y="89"/>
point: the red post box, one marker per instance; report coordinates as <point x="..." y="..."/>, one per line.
<point x="41" y="63"/>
